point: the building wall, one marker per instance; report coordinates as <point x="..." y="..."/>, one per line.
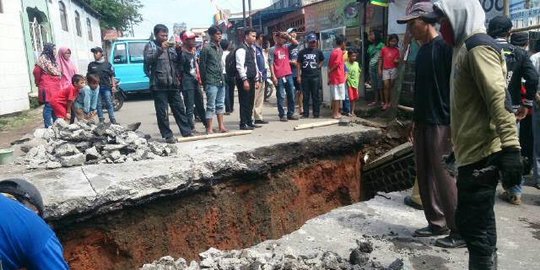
<point x="80" y="45"/>
<point x="14" y="72"/>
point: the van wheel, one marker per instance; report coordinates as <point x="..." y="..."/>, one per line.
<point x="118" y="100"/>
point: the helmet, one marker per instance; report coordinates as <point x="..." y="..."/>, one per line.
<point x="23" y="190"/>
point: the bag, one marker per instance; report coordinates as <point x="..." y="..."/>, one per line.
<point x="509" y="53"/>
<point x="146" y="65"/>
<point x="230" y="64"/>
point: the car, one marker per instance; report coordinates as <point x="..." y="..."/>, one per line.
<point x="127" y="58"/>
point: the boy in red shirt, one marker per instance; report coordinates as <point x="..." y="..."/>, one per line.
<point x="62" y="102"/>
<point x="388" y="68"/>
<point x="336" y="76"/>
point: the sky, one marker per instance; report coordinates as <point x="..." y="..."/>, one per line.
<point x="195" y="13"/>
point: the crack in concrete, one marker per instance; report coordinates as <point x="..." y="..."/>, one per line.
<point x="88" y="180"/>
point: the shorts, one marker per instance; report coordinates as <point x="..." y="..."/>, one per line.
<point x="337" y="91"/>
<point x="389" y="74"/>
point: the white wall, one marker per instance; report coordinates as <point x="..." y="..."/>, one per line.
<point x="80" y="45"/>
<point x="14" y="74"/>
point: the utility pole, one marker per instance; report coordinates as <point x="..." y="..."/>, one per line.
<point x="244" y="12"/>
<point x="507" y="8"/>
<point x="250" y="19"/>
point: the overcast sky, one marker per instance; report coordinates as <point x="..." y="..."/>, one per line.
<point x="195" y="13"/>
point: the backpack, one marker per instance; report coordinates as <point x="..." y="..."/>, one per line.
<point x="230" y="64"/>
<point x="510" y="55"/>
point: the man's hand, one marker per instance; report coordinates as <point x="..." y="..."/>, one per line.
<point x="165" y="45"/>
<point x="114" y="89"/>
<point x="521" y="113"/>
<point x="68" y="117"/>
<point x="509" y="163"/>
<point x="246" y="85"/>
<point x="275" y="81"/>
<point x="257" y="85"/>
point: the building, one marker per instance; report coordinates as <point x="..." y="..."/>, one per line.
<point x="76" y="26"/>
<point x="14" y="71"/>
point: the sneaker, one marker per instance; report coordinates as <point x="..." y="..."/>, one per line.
<point x="283" y="119"/>
<point x="246" y="127"/>
<point x="254" y="126"/>
<point x="428" y="231"/>
<point x="410" y="202"/>
<point x="171" y="140"/>
<point x="451" y="241"/>
<point x="262" y="122"/>
<point x="293" y="117"/>
<point x="510" y="197"/>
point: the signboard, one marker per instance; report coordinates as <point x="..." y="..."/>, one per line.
<point x="332" y="13"/>
<point x="492" y="8"/>
<point x="525" y="13"/>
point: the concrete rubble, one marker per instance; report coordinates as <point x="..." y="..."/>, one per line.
<point x="68" y="145"/>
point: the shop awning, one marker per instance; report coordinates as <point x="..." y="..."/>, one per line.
<point x="267" y="15"/>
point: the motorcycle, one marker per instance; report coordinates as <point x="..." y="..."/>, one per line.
<point x="268" y="89"/>
<point x="118" y="97"/>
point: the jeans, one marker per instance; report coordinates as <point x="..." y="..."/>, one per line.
<point x="48" y="115"/>
<point x="215" y="100"/>
<point x="536" y="143"/>
<point x="105" y="96"/>
<point x="229" y="94"/>
<point x="376" y="83"/>
<point x="162" y="100"/>
<point x="247" y="101"/>
<point x="310" y="88"/>
<point x="475" y="218"/>
<point x="285" y="87"/>
<point x="346" y="102"/>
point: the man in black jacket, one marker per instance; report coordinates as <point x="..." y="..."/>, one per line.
<point x="162" y="59"/>
<point x="519" y="67"/>
<point x="247" y="78"/>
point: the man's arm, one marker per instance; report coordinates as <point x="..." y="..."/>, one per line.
<point x="240" y="57"/>
<point x="202" y="63"/>
<point x="152" y="53"/>
<point x="531" y="80"/>
<point x="321" y="58"/>
<point x="50" y="257"/>
<point x="88" y="97"/>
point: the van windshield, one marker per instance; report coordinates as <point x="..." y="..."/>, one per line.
<point x="136" y="50"/>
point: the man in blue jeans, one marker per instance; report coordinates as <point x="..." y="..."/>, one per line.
<point x="280" y="67"/>
<point x="107" y="83"/>
<point x="213" y="80"/>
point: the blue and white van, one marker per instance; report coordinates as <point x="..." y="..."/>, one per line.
<point x="128" y="60"/>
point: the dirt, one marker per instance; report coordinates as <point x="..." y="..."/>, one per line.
<point x="13" y="127"/>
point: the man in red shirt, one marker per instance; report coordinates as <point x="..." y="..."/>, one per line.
<point x="280" y="67"/>
<point x="336" y="76"/>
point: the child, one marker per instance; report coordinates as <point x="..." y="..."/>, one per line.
<point x="336" y="76"/>
<point x="62" y="102"/>
<point x="86" y="103"/>
<point x="388" y="68"/>
<point x="353" y="79"/>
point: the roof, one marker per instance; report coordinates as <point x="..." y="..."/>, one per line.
<point x="267" y="15"/>
<point x="86" y="7"/>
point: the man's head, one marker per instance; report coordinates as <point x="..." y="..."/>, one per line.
<point x="78" y="81"/>
<point x="188" y="39"/>
<point x="260" y="38"/>
<point x="311" y="38"/>
<point x="280" y="38"/>
<point x="292" y="32"/>
<point x="499" y="27"/>
<point x="215" y="34"/>
<point x="250" y="35"/>
<point x="418" y="25"/>
<point x="341" y="41"/>
<point x="520" y="39"/>
<point x="24" y="192"/>
<point x="161" y="33"/>
<point x="98" y="53"/>
<point x="93" y="80"/>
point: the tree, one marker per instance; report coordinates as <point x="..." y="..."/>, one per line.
<point x="117" y="14"/>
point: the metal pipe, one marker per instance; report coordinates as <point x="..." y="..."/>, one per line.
<point x="506" y="8"/>
<point x="244" y="12"/>
<point x="249" y="12"/>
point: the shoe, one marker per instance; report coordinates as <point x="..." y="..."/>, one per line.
<point x="305" y="116"/>
<point x="428" y="231"/>
<point x="283" y="119"/>
<point x="246" y="127"/>
<point x="114" y="122"/>
<point x="315" y="116"/>
<point x="410" y="202"/>
<point x="254" y="126"/>
<point x="451" y="241"/>
<point x="261" y="122"/>
<point x="171" y="140"/>
<point x="293" y="117"/>
<point x="510" y="197"/>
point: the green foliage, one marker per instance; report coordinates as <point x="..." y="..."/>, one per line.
<point x="117" y="14"/>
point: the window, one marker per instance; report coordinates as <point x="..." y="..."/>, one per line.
<point x="78" y="24"/>
<point x="120" y="54"/>
<point x="1" y="7"/>
<point x="63" y="16"/>
<point x="136" y="52"/>
<point x="89" y="26"/>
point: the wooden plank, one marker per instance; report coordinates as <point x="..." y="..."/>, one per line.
<point x="368" y="123"/>
<point x="317" y="124"/>
<point x="214" y="135"/>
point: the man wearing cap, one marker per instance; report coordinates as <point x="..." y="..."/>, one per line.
<point x="107" y="84"/>
<point x="431" y="127"/>
<point x="294" y="58"/>
<point x="162" y="62"/>
<point x="310" y="61"/>
<point x="189" y="73"/>
<point x="213" y="80"/>
<point x="26" y="241"/>
<point x="280" y="67"/>
<point x="519" y="67"/>
<point x="484" y="133"/>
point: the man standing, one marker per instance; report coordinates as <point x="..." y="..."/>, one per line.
<point x="484" y="132"/>
<point x="432" y="127"/>
<point x="519" y="67"/>
<point x="213" y="80"/>
<point x="535" y="163"/>
<point x="336" y="76"/>
<point x="294" y="63"/>
<point x="310" y="61"/>
<point x="280" y="68"/>
<point x="161" y="60"/>
<point x="107" y="83"/>
<point x="27" y="242"/>
<point x="189" y="72"/>
<point x="247" y="78"/>
<point x="259" y="93"/>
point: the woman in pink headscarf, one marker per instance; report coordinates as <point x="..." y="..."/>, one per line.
<point x="63" y="99"/>
<point x="67" y="67"/>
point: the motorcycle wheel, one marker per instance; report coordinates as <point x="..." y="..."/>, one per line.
<point x="118" y="100"/>
<point x="268" y="90"/>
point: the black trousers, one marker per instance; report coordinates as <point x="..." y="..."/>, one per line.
<point x="162" y="100"/>
<point x="475" y="218"/>
<point x="526" y="142"/>
<point x="310" y="88"/>
<point x="194" y="104"/>
<point x="200" y="110"/>
<point x="247" y="101"/>
<point x="229" y="95"/>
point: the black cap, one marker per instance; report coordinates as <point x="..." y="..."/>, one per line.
<point x="519" y="39"/>
<point x="23" y="190"/>
<point x="96" y="49"/>
<point x="499" y="26"/>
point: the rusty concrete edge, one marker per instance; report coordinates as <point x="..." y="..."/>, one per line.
<point x="251" y="164"/>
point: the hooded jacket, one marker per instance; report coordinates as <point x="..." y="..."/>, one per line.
<point x="482" y="122"/>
